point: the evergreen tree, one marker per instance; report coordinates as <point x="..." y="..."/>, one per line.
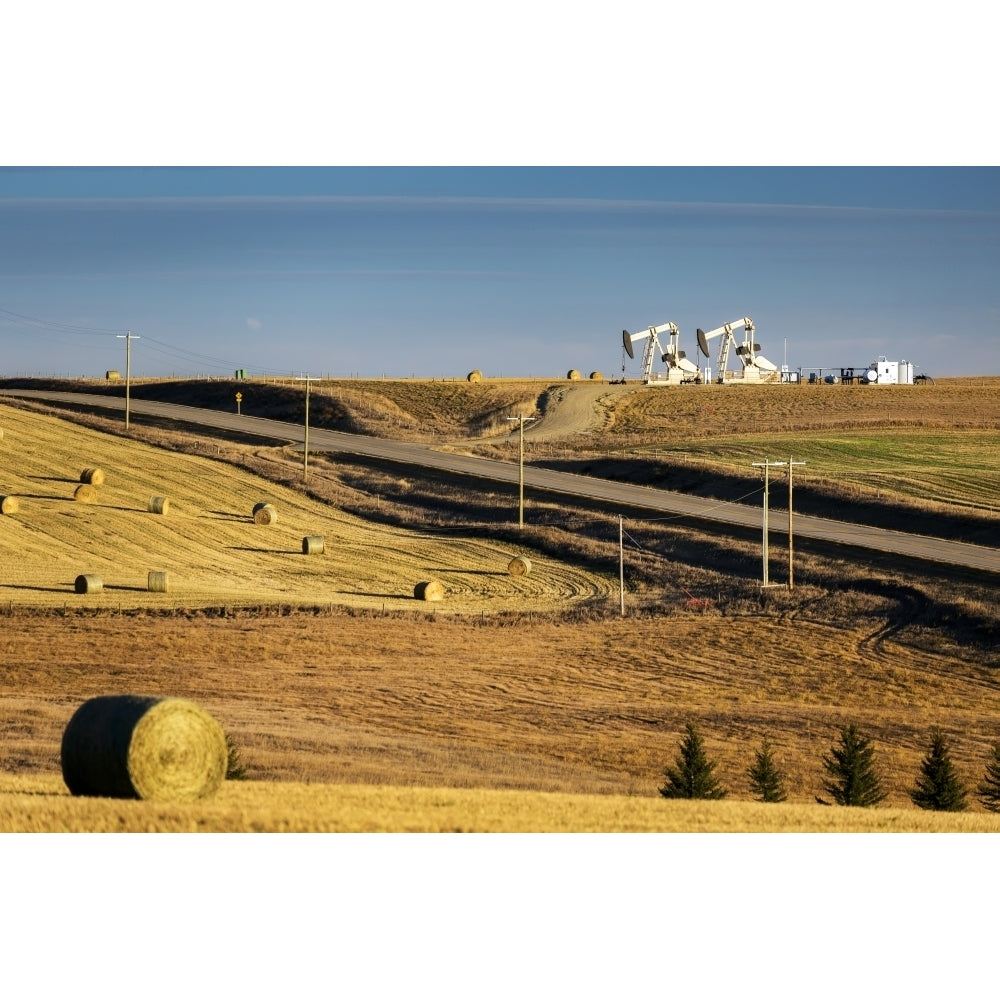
<point x="766" y="781"/>
<point x="939" y="786"/>
<point x="854" y="780"/>
<point x="989" y="791"/>
<point x="691" y="776"/>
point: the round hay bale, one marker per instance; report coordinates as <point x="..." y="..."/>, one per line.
<point x="135" y="747"/>
<point x="156" y="581"/>
<point x="596" y="377"/>
<point x="572" y="374"/>
<point x="88" y="583"/>
<point x="475" y="376"/>
<point x="264" y="513"/>
<point x="9" y="505"/>
<point x="85" y="493"/>
<point x="95" y="477"/>
<point x="159" y="505"/>
<point x="429" y="590"/>
<point x="312" y="545"/>
<point x="519" y="566"/>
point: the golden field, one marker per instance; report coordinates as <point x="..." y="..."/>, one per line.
<point x="518" y="703"/>
<point x="209" y="545"/>
<point x="42" y="804"/>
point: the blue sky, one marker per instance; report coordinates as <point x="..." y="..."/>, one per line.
<point x="516" y="271"/>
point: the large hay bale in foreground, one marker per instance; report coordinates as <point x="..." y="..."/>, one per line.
<point x="9" y="505"/>
<point x="95" y="477"/>
<point x="159" y="505"/>
<point x="88" y="583"/>
<point x="475" y="375"/>
<point x="264" y="513"/>
<point x="135" y="747"/>
<point x="156" y="581"/>
<point x="519" y="566"/>
<point x="312" y="545"/>
<point x="85" y="493"/>
<point x="429" y="590"/>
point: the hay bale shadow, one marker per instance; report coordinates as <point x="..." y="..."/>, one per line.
<point x="227" y="515"/>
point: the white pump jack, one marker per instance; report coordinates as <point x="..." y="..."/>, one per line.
<point x="753" y="363"/>
<point x="679" y="369"/>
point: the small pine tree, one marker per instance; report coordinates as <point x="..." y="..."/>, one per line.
<point x="854" y="778"/>
<point x="989" y="791"/>
<point x="939" y="786"/>
<point x="691" y="776"/>
<point x="766" y="781"/>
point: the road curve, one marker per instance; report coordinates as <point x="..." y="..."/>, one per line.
<point x="900" y="543"/>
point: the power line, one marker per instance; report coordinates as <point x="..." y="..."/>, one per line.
<point x="163" y="348"/>
<point x="63" y="327"/>
<point x="182" y="354"/>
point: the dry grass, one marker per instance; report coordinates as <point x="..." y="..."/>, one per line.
<point x="41" y="805"/>
<point x="592" y="707"/>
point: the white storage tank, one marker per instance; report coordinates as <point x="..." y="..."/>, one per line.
<point x="886" y="372"/>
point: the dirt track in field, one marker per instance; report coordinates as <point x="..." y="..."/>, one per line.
<point x="575" y="409"/>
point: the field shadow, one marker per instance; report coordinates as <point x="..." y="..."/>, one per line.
<point x="267" y="552"/>
<point x="465" y="572"/>
<point x="44" y="496"/>
<point x="69" y="588"/>
<point x="52" y="479"/>
<point x="228" y="515"/>
<point x="370" y="593"/>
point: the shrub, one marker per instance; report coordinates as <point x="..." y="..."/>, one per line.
<point x="235" y="768"/>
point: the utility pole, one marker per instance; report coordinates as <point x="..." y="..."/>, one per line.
<point x="520" y="466"/>
<point x="305" y="443"/>
<point x="128" y="338"/>
<point x="621" y="560"/>
<point x="791" y="583"/>
<point x="767" y="465"/>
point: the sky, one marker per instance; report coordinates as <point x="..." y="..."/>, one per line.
<point x="421" y="192"/>
<point x="516" y="271"/>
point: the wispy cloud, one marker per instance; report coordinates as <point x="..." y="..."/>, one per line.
<point x="502" y="204"/>
<point x="253" y="323"/>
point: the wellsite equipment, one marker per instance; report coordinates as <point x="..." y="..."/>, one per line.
<point x="679" y="368"/>
<point x="756" y="368"/>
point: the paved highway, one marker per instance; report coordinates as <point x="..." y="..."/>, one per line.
<point x="614" y="494"/>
